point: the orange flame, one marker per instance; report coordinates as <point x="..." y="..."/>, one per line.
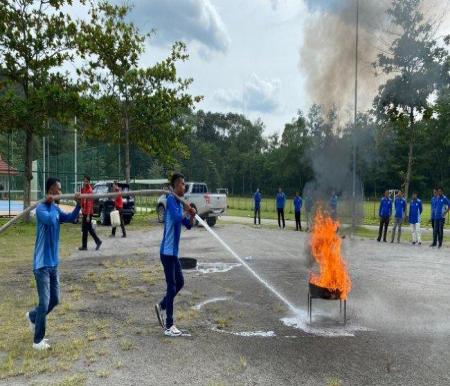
<point x="326" y="249"/>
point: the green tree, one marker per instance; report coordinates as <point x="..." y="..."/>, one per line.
<point x="36" y="39"/>
<point x="413" y="64"/>
<point x="128" y="104"/>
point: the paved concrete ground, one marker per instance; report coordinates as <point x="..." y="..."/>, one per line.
<point x="398" y="331"/>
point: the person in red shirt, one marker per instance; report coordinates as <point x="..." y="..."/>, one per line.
<point x="87" y="210"/>
<point x="118" y="204"/>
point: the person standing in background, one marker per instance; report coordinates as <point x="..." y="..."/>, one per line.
<point x="118" y="204"/>
<point x="297" y="209"/>
<point x="333" y="205"/>
<point x="400" y="210"/>
<point x="87" y="211"/>
<point x="384" y="212"/>
<point x="281" y="202"/>
<point x="433" y="207"/>
<point x="441" y="208"/>
<point x="415" y="212"/>
<point x="257" y="206"/>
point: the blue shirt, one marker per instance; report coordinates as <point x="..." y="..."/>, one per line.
<point x="48" y="219"/>
<point x="415" y="210"/>
<point x="281" y="200"/>
<point x="257" y="198"/>
<point x="400" y="207"/>
<point x="433" y="207"/>
<point x="173" y="219"/>
<point x="441" y="205"/>
<point x="297" y="203"/>
<point x="385" y="207"/>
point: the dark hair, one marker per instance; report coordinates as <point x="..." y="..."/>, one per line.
<point x="440" y="188"/>
<point x="50" y="182"/>
<point x="175" y="177"/>
<point x="87" y="178"/>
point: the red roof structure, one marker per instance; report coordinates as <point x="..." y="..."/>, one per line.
<point x="6" y="169"/>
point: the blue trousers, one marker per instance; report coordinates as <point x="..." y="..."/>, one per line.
<point x="175" y="282"/>
<point x="47" y="285"/>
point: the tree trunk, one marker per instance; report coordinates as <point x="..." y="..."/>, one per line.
<point x="28" y="171"/>
<point x="410" y="155"/>
<point x="127" y="150"/>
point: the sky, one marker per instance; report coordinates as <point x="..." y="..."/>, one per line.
<point x="245" y="55"/>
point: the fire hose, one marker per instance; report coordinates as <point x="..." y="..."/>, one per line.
<point x="71" y="196"/>
<point x="149" y="192"/>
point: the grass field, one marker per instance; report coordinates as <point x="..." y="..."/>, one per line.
<point x="83" y="344"/>
<point x="243" y="206"/>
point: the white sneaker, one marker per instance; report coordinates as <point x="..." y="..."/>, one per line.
<point x="172" y="331"/>
<point x="159" y="315"/>
<point x="42" y="345"/>
<point x="30" y="323"/>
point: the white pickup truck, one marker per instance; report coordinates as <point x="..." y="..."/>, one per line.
<point x="208" y="205"/>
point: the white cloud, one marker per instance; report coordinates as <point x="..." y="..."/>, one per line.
<point x="192" y="21"/>
<point x="258" y="95"/>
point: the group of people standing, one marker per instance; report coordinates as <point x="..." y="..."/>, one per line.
<point x="439" y="208"/>
<point x="280" y="202"/>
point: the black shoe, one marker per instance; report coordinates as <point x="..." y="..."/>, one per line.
<point x="378" y="240"/>
<point x="124" y="236"/>
<point x="82" y="249"/>
<point x="432" y="245"/>
<point x="98" y="246"/>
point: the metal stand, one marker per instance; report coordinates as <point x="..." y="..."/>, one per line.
<point x="310" y="298"/>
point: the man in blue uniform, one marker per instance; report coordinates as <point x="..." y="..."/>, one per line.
<point x="384" y="212"/>
<point x="433" y="207"/>
<point x="415" y="211"/>
<point x="46" y="259"/>
<point x="257" y="205"/>
<point x="297" y="209"/>
<point x="400" y="211"/>
<point x="173" y="219"/>
<point x="441" y="208"/>
<point x="281" y="202"/>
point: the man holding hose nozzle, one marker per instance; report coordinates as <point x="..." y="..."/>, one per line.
<point x="173" y="219"/>
<point x="46" y="259"/>
<point x="87" y="211"/>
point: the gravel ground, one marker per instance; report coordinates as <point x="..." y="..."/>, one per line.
<point x="397" y="334"/>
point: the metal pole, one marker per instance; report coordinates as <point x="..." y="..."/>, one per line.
<point x="355" y="121"/>
<point x="9" y="174"/>
<point x="76" y="156"/>
<point x="43" y="166"/>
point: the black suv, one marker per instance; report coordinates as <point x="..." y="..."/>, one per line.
<point x="104" y="206"/>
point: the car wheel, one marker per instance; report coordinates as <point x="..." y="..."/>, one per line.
<point x="211" y="221"/>
<point x="161" y="213"/>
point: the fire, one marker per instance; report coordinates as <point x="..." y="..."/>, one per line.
<point x="326" y="249"/>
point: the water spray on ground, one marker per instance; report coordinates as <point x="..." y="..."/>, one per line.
<point x="235" y="255"/>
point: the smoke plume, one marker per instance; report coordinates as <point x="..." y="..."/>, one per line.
<point x="327" y="55"/>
